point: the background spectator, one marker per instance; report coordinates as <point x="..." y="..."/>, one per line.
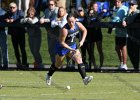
<point x="121" y="34"/>
<point x="34" y="36"/>
<point x="133" y="40"/>
<point x="3" y="45"/>
<point x="94" y="36"/>
<point x="17" y="34"/>
<point x="50" y="14"/>
<point x="84" y="48"/>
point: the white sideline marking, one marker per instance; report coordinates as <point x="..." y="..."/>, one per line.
<point x="79" y="93"/>
<point x="63" y="94"/>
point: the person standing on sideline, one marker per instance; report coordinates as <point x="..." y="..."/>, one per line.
<point x="3" y="44"/>
<point x="34" y="36"/>
<point x="94" y="36"/>
<point x="84" y="48"/>
<point x="23" y="5"/>
<point x="133" y="40"/>
<point x="50" y="14"/>
<point x="121" y="34"/>
<point x="67" y="46"/>
<point x="61" y="18"/>
<point x="59" y="22"/>
<point x="17" y="34"/>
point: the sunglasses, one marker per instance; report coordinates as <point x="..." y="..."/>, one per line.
<point x="12" y="7"/>
<point x="51" y="4"/>
<point x="80" y="10"/>
<point x="131" y="4"/>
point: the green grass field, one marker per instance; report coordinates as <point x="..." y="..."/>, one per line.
<point x="30" y="85"/>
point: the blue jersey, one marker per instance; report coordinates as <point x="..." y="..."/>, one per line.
<point x="70" y="40"/>
<point x="72" y="33"/>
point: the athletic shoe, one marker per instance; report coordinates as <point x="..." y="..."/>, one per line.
<point x="120" y="66"/>
<point x="48" y="79"/>
<point x="124" y="67"/>
<point x="87" y="79"/>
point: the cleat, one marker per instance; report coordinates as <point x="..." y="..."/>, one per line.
<point x="48" y="79"/>
<point x="86" y="80"/>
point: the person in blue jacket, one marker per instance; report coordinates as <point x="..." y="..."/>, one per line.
<point x="17" y="35"/>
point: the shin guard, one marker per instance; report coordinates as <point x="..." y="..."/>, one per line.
<point x="81" y="68"/>
<point x="52" y="69"/>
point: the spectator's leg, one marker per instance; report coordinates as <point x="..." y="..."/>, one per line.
<point x="52" y="38"/>
<point x="35" y="44"/>
<point x="16" y="50"/>
<point x="68" y="2"/>
<point x="22" y="48"/>
<point x="91" y="55"/>
<point x="3" y="41"/>
<point x="0" y="58"/>
<point x="78" y="3"/>
<point x="133" y="53"/>
<point x="100" y="51"/>
<point x="26" y="6"/>
<point x="83" y="52"/>
<point x="87" y="2"/>
<point x="19" y="6"/>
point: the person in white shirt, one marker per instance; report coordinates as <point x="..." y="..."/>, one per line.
<point x="61" y="19"/>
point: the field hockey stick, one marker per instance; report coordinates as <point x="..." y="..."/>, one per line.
<point x="73" y="53"/>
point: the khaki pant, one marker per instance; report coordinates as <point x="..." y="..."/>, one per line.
<point x="63" y="3"/>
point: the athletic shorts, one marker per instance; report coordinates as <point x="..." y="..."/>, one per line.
<point x="61" y="51"/>
<point x="120" y="41"/>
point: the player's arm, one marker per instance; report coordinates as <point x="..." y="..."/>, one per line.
<point x="84" y="33"/>
<point x="62" y="38"/>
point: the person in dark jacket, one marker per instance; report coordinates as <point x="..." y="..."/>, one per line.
<point x="94" y="36"/>
<point x="17" y="35"/>
<point x="133" y="40"/>
<point x="84" y="48"/>
<point x="3" y="45"/>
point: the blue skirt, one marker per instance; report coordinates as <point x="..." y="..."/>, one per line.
<point x="61" y="51"/>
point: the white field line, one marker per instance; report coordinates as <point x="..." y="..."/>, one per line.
<point x="81" y="93"/>
<point x="73" y="93"/>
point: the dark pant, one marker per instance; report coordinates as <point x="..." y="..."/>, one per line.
<point x="133" y="52"/>
<point x="18" y="41"/>
<point x="35" y="44"/>
<point x="84" y="50"/>
<point x="3" y="47"/>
